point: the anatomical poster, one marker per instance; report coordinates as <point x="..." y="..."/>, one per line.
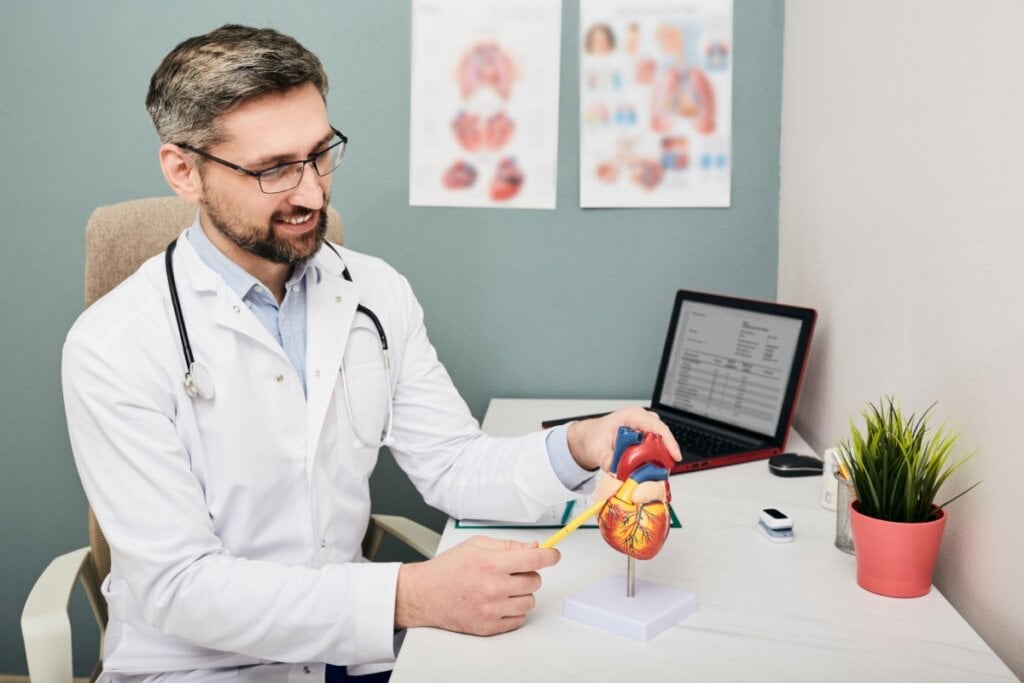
<point x="483" y="125"/>
<point x="655" y="103"/>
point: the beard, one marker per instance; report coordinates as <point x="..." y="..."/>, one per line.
<point x="266" y="242"/>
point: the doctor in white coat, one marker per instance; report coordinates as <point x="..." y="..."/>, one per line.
<point x="235" y="518"/>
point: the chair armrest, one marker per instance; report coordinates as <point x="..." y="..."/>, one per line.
<point x="415" y="535"/>
<point x="45" y="625"/>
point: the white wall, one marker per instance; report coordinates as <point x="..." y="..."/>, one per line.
<point x="901" y="219"/>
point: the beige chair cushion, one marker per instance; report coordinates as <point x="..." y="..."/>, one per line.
<point x="118" y="239"/>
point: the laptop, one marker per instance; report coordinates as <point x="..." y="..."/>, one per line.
<point x="729" y="377"/>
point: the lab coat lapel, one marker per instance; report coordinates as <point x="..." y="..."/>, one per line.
<point x="330" y="311"/>
<point x="225" y="309"/>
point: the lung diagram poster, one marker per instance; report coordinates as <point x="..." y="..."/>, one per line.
<point x="484" y="103"/>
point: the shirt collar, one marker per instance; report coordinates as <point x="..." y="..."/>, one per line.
<point x="239" y="280"/>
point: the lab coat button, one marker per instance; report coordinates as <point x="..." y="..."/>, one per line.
<point x="337" y="299"/>
<point x="323" y="543"/>
<point x="236" y="309"/>
<point x="305" y="669"/>
<point x="280" y="378"/>
<point x="317" y="373"/>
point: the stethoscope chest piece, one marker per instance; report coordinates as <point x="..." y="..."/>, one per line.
<point x="198" y="383"/>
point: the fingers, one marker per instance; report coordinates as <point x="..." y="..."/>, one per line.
<point x="592" y="442"/>
<point x="503" y="625"/>
<point x="517" y="556"/>
<point x="482" y="586"/>
<point x="520" y="606"/>
<point x="527" y="559"/>
<point x="645" y="420"/>
<point x="489" y="543"/>
<point x="650" y="491"/>
<point x="606" y="488"/>
<point x="525" y="584"/>
<point x="515" y="610"/>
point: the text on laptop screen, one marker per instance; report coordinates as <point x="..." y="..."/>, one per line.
<point x="730" y="365"/>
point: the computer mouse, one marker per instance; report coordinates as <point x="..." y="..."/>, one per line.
<point x="795" y="465"/>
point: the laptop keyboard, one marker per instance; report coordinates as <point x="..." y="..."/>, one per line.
<point x="702" y="444"/>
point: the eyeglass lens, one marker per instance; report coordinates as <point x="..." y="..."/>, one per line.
<point x="288" y="176"/>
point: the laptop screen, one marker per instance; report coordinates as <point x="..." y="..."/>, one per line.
<point x="732" y="361"/>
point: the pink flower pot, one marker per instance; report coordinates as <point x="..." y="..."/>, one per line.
<point x="895" y="558"/>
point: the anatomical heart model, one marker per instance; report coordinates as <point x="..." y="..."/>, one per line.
<point x="632" y="505"/>
<point x="635" y="518"/>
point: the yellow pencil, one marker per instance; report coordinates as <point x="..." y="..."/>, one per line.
<point x="572" y="526"/>
<point x="625" y="490"/>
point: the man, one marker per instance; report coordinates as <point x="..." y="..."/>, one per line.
<point x="235" y="516"/>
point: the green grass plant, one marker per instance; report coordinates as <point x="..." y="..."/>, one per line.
<point x="896" y="468"/>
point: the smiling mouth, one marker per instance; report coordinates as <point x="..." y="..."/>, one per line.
<point x="298" y="223"/>
<point x="298" y="219"/>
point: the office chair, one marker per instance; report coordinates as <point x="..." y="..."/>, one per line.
<point x="119" y="238"/>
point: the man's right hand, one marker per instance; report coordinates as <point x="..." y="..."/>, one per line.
<point x="483" y="586"/>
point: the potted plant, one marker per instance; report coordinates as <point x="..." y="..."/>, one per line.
<point x="896" y="469"/>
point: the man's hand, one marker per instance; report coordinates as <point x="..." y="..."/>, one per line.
<point x="592" y="441"/>
<point x="483" y="586"/>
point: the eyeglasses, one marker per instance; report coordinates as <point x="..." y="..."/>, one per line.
<point x="285" y="177"/>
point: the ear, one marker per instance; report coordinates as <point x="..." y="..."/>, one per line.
<point x="180" y="172"/>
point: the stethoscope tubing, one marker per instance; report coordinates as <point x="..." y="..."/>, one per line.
<point x="386" y="434"/>
<point x="186" y="347"/>
<point x="194" y="374"/>
<point x="361" y="308"/>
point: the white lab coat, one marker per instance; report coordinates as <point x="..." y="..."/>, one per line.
<point x="235" y="523"/>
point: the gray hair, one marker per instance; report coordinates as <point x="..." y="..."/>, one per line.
<point x="210" y="75"/>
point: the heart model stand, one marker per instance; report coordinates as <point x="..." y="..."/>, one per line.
<point x="625" y="605"/>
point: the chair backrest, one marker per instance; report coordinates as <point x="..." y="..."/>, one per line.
<point x="118" y="239"/>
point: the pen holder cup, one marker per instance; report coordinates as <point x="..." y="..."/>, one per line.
<point x="844" y="535"/>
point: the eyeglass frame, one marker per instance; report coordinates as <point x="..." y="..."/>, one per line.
<point x="258" y="174"/>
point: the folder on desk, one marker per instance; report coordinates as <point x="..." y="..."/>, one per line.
<point x="554" y="518"/>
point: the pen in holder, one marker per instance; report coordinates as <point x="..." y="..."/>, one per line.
<point x="829" y="482"/>
<point x="844" y="494"/>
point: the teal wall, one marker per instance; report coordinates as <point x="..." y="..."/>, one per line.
<point x="519" y="303"/>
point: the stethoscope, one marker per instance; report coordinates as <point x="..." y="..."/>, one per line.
<point x="199" y="383"/>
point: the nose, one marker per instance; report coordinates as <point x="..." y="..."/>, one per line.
<point x="310" y="191"/>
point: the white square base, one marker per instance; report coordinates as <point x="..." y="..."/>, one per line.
<point x="653" y="609"/>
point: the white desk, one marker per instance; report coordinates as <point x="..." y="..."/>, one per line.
<point x="768" y="611"/>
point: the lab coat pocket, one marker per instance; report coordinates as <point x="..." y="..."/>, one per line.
<point x="369" y="393"/>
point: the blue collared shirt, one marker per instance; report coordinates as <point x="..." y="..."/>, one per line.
<point x="287" y="324"/>
<point x="286" y="321"/>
